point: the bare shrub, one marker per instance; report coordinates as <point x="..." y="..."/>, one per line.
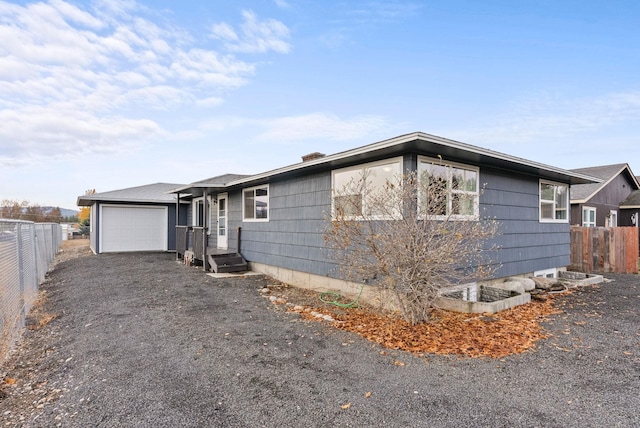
<point x="412" y="236"/>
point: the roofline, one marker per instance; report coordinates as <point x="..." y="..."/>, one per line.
<point x="603" y="184"/>
<point x="406" y="138"/>
<point x="85" y="202"/>
<point x="629" y="207"/>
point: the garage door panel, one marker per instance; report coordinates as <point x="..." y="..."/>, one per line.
<point x="133" y="228"/>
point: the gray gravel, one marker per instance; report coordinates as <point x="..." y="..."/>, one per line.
<point x="142" y="340"/>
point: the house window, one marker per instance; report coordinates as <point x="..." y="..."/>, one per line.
<point x="197" y="218"/>
<point x="554" y="202"/>
<point x="547" y="273"/>
<point x="255" y="204"/>
<point x="355" y="187"/>
<point x="588" y="217"/>
<point x="612" y="219"/>
<point x="448" y="190"/>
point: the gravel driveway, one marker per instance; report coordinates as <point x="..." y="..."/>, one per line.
<point x="143" y="341"/>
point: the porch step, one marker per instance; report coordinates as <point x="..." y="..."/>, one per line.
<point x="224" y="263"/>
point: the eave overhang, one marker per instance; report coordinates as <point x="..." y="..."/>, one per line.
<point x="418" y="143"/>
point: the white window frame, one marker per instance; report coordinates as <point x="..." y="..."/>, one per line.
<point x="546" y="273"/>
<point x="195" y="211"/>
<point x="362" y="169"/>
<point x="253" y="189"/>
<point x="585" y="222"/>
<point x="554" y="202"/>
<point x="475" y="194"/>
<point x="613" y="214"/>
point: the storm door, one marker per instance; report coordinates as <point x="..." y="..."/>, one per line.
<point x="222" y="221"/>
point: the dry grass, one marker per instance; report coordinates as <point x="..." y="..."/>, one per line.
<point x="40" y="320"/>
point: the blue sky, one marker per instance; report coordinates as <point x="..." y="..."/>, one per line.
<point x="113" y="94"/>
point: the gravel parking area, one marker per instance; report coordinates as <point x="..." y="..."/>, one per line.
<point x="140" y="340"/>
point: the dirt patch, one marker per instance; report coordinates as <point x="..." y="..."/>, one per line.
<point x="141" y="340"/>
<point x="72" y="249"/>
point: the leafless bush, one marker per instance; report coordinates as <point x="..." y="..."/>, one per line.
<point x="412" y="236"/>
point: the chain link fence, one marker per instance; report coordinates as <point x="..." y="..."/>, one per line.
<point x="26" y="249"/>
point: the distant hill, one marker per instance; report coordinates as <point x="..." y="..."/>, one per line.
<point x="63" y="211"/>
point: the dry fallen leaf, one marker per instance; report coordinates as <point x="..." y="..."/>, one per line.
<point x="368" y="394"/>
<point x="345" y="406"/>
<point x="398" y="363"/>
<point x="517" y="330"/>
<point x="9" y="381"/>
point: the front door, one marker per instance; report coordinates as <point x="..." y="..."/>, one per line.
<point x="222" y="221"/>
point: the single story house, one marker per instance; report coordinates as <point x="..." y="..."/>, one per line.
<point x="142" y="218"/>
<point x="276" y="219"/>
<point x="600" y="204"/>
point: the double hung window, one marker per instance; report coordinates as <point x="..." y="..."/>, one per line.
<point x="588" y="217"/>
<point x="554" y="202"/>
<point x="255" y="203"/>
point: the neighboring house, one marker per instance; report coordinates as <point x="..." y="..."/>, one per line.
<point x="630" y="208"/>
<point x="282" y="213"/>
<point x="139" y="218"/>
<point x="600" y="204"/>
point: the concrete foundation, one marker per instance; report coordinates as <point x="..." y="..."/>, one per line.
<point x="575" y="279"/>
<point x="478" y="299"/>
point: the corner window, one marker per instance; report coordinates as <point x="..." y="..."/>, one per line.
<point x="448" y="190"/>
<point x="554" y="202"/>
<point x="588" y="217"/>
<point x="354" y="187"/>
<point x="255" y="204"/>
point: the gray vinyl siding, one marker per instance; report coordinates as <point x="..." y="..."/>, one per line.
<point x="293" y="236"/>
<point x="526" y="244"/>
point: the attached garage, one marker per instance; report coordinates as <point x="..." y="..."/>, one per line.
<point x="133" y="228"/>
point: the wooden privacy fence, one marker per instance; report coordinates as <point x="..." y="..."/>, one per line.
<point x="604" y="249"/>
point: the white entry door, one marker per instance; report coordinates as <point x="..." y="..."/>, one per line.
<point x="222" y="221"/>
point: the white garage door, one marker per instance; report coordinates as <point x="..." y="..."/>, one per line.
<point x="133" y="228"/>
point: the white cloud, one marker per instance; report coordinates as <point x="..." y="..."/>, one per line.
<point x="33" y="133"/>
<point x="312" y="126"/>
<point x="224" y="31"/>
<point x="70" y="75"/>
<point x="321" y="126"/>
<point x="282" y="4"/>
<point x="256" y="36"/>
<point x="552" y="118"/>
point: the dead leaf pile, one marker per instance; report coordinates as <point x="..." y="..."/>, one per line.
<point x="509" y="332"/>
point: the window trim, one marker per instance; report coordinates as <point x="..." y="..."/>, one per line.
<point x="552" y="220"/>
<point x="546" y="272"/>
<point x="256" y="220"/>
<point x="399" y="160"/>
<point x="595" y="219"/>
<point x="195" y="202"/>
<point x="612" y="214"/>
<point x="476" y="204"/>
